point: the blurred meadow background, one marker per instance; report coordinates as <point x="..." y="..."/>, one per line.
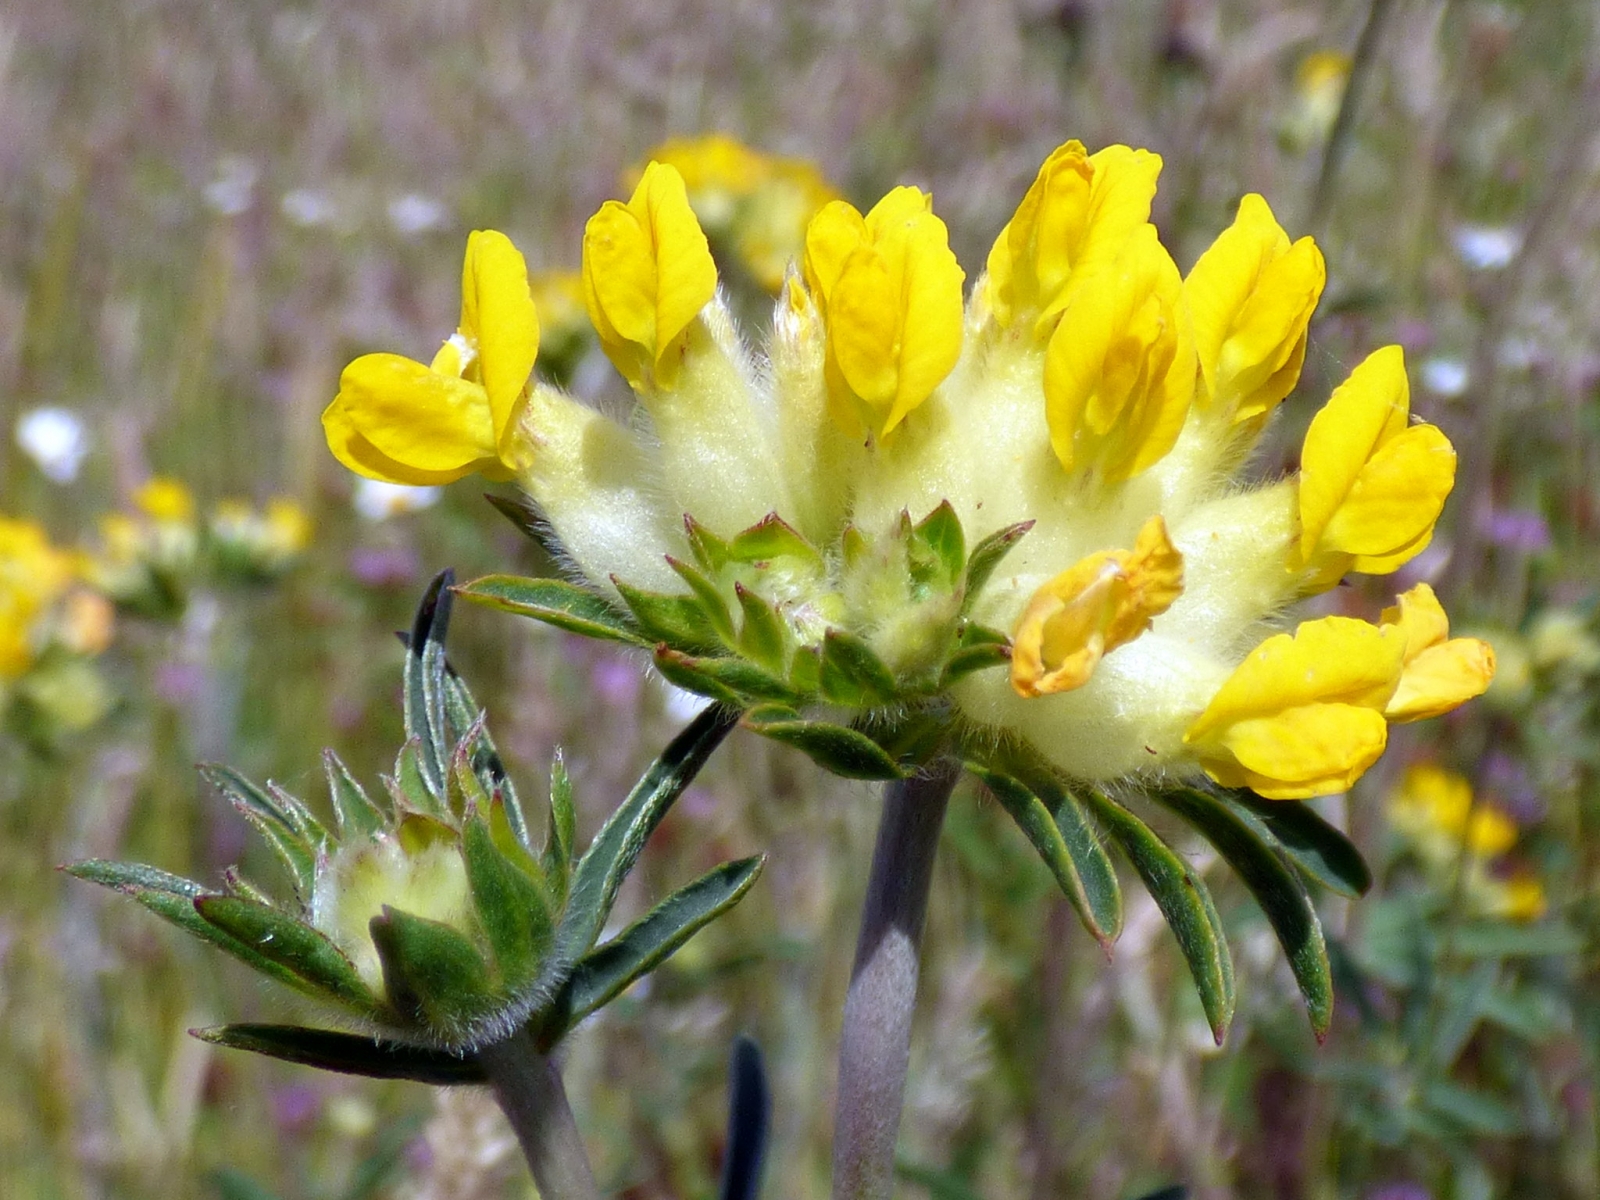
<point x="207" y="209"/>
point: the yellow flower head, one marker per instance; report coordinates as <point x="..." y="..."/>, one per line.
<point x="1303" y="714"/>
<point x="1433" y="806"/>
<point x="1440" y="673"/>
<point x="399" y="421"/>
<point x="1251" y="296"/>
<point x="647" y="273"/>
<point x="1077" y="215"/>
<point x="1371" y="484"/>
<point x="35" y="578"/>
<point x="1119" y="372"/>
<point x="889" y="291"/>
<point x="1102" y="602"/>
<point x="164" y="499"/>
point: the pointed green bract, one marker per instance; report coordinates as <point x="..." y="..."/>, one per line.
<point x="679" y="621"/>
<point x="354" y="810"/>
<point x="1185" y="902"/>
<point x="712" y="602"/>
<point x="728" y="680"/>
<point x="986" y="556"/>
<point x="348" y="1054"/>
<point x="560" y="840"/>
<point x="513" y="909"/>
<point x="763" y="636"/>
<point x="771" y="538"/>
<point x="424" y="682"/>
<point x="1276" y="889"/>
<point x="853" y="674"/>
<point x="413" y="792"/>
<point x="938" y="539"/>
<point x="604" y="973"/>
<point x="293" y="945"/>
<point x="837" y="748"/>
<point x="432" y="972"/>
<point x="555" y="602"/>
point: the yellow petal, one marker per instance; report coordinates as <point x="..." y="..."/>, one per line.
<point x="362" y="457"/>
<point x="687" y="275"/>
<point x="1442" y="678"/>
<point x="498" y="317"/>
<point x="1397" y="496"/>
<point x="1331" y="660"/>
<point x="1301" y="752"/>
<point x="1420" y="617"/>
<point x="863" y="326"/>
<point x="1097" y="604"/>
<point x="831" y="236"/>
<point x="424" y="421"/>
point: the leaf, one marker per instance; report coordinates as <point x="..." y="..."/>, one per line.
<point x="1500" y="939"/>
<point x="558" y="603"/>
<point x="413" y="792"/>
<point x="835" y="748"/>
<point x="560" y="841"/>
<point x="432" y="972"/>
<point x="605" y="973"/>
<point x="1078" y="862"/>
<point x="1313" y="845"/>
<point x="1184" y="900"/>
<point x="424" y="682"/>
<point x="852" y="672"/>
<point x="293" y="945"/>
<point x="722" y="677"/>
<point x="763" y="634"/>
<point x="347" y="1053"/>
<point x="709" y="550"/>
<point x="512" y="908"/>
<point x="266" y="814"/>
<point x="1277" y="889"/>
<point x="172" y="898"/>
<point x="980" y="657"/>
<point x="617" y="846"/>
<point x="680" y="621"/>
<point x="771" y="538"/>
<point x="1474" y="1111"/>
<point x="939" y="536"/>
<point x="357" y="814"/>
<point x="986" y="556"/>
<point x="712" y="602"/>
<point x="466" y="717"/>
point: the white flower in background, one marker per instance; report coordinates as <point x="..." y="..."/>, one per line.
<point x="55" y="439"/>
<point x="414" y="213"/>
<point x="1446" y="377"/>
<point x="308" y="208"/>
<point x="1487" y="247"/>
<point x="232" y="190"/>
<point x="378" y="501"/>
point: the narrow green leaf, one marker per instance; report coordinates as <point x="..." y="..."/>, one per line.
<point x="603" y="974"/>
<point x="763" y="634"/>
<point x="712" y="601"/>
<point x="617" y="846"/>
<point x="735" y="677"/>
<point x="1277" y="889"/>
<point x="986" y="556"/>
<point x="424" y="682"/>
<point x="939" y="534"/>
<point x="981" y="657"/>
<point x="771" y="538"/>
<point x="269" y="804"/>
<point x="680" y="621"/>
<point x="852" y="672"/>
<point x="530" y="522"/>
<point x="555" y="602"/>
<point x="559" y="842"/>
<point x="293" y="945"/>
<point x="835" y="748"/>
<point x="468" y="719"/>
<point x="805" y="671"/>
<point x="432" y="972"/>
<point x="356" y="813"/>
<point x="411" y="789"/>
<point x="1313" y="845"/>
<point x="1078" y="862"/>
<point x="346" y="1053"/>
<point x="709" y="550"/>
<point x="172" y="898"/>
<point x="237" y="885"/>
<point x="295" y="854"/>
<point x="1186" y="903"/>
<point x="512" y="908"/>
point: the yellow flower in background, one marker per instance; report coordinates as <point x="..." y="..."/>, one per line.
<point x="33" y="576"/>
<point x="647" y="273"/>
<point x="1091" y="608"/>
<point x="1250" y="297"/>
<point x="1303" y="714"/>
<point x="889" y="291"/>
<point x="164" y="499"/>
<point x="1439" y="673"/>
<point x="260" y="542"/>
<point x="1078" y="214"/>
<point x="1371" y="484"/>
<point x="401" y="421"/>
<point x="1119" y="372"/>
<point x="1434" y="806"/>
<point x="1521" y="897"/>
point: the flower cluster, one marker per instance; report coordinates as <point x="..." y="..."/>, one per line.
<point x="1022" y="510"/>
<point x="1435" y="811"/>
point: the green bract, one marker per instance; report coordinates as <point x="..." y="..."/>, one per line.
<point x="428" y="913"/>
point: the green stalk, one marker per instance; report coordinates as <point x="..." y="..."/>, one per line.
<point x="875" y="1042"/>
<point x="528" y="1087"/>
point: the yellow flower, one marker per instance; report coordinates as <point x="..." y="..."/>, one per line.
<point x="1078" y="214"/>
<point x="647" y="273"/>
<point x="1303" y="714"/>
<point x="1433" y="806"/>
<point x="33" y="575"/>
<point x="1250" y="297"/>
<point x="399" y="421"/>
<point x="718" y="173"/>
<point x="889" y="291"/>
<point x="1097" y="604"/>
<point x="1519" y="898"/>
<point x="164" y="499"/>
<point x="1440" y="673"/>
<point x="1371" y="484"/>
<point x="1119" y="372"/>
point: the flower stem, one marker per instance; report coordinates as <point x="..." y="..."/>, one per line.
<point x="875" y="1043"/>
<point x="528" y="1087"/>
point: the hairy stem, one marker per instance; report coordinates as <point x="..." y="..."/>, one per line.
<point x="876" y="1040"/>
<point x="528" y="1087"/>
